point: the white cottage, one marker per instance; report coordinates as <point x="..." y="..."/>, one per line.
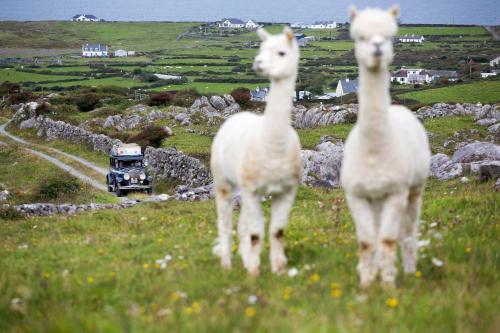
<point x="251" y="24"/>
<point x="411" y="39"/>
<point x="84" y="18"/>
<point x="94" y="50"/>
<point x="231" y="23"/>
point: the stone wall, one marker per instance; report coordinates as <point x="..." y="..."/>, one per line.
<point x="324" y="115"/>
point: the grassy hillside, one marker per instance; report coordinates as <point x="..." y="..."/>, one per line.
<point x="97" y="272"/>
<point x="482" y="91"/>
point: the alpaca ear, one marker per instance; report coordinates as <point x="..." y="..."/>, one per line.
<point x="394" y="10"/>
<point x="288" y="32"/>
<point x="263" y="34"/>
<point x="352" y="12"/>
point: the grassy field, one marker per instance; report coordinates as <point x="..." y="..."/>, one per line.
<point x="431" y="30"/>
<point x="97" y="272"/>
<point x="482" y="91"/>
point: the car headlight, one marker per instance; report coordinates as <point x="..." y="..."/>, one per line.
<point x="126" y="176"/>
<point x="142" y="176"/>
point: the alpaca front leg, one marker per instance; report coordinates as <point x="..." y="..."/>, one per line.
<point x="223" y="199"/>
<point x="364" y="219"/>
<point x="281" y="206"/>
<point x="251" y="232"/>
<point x="409" y="229"/>
<point x="393" y="214"/>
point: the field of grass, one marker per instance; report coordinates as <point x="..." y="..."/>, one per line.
<point x="8" y="74"/>
<point x="98" y="271"/>
<point x="431" y="30"/>
<point x="24" y="174"/>
<point x="480" y="91"/>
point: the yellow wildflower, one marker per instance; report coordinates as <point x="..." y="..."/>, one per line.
<point x="287" y="293"/>
<point x="392" y="302"/>
<point x="336" y="293"/>
<point x="314" y="278"/>
<point x="250" y="312"/>
<point x="418" y="274"/>
<point x="90" y="279"/>
<point x="196" y="307"/>
<point x="335" y="285"/>
<point x="468" y="250"/>
<point x="46" y="275"/>
<point x="174" y="297"/>
<point x="188" y="310"/>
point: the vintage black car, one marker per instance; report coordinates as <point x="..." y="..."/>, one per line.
<point x="127" y="170"/>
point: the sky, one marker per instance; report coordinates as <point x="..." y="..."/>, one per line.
<point x="481" y="12"/>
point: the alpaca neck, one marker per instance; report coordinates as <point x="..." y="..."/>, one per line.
<point x="277" y="114"/>
<point x="374" y="103"/>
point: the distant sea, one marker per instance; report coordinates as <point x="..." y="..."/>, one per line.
<point x="480" y="12"/>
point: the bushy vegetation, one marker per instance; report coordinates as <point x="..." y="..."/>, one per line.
<point x="58" y="187"/>
<point x="241" y="95"/>
<point x="150" y="136"/>
<point x="163" y="98"/>
<point x="87" y="102"/>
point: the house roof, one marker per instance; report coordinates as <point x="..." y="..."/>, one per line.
<point x="451" y="74"/>
<point x="233" y="20"/>
<point x="400" y="73"/>
<point x="89" y="16"/>
<point x="349" y="86"/>
<point x="99" y="47"/>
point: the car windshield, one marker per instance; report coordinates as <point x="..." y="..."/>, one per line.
<point x="128" y="164"/>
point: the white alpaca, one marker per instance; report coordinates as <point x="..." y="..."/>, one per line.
<point x="386" y="157"/>
<point x="260" y="155"/>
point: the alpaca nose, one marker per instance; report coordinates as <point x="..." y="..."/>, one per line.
<point x="257" y="65"/>
<point x="378" y="50"/>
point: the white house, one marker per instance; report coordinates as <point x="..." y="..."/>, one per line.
<point x="411" y="39"/>
<point x="124" y="53"/>
<point x="346" y="86"/>
<point x="94" y="50"/>
<point x="323" y="25"/>
<point x="121" y="53"/>
<point x="231" y="23"/>
<point x="495" y="62"/>
<point x="421" y="76"/>
<point x="84" y="18"/>
<point x="485" y="74"/>
<point x="251" y="24"/>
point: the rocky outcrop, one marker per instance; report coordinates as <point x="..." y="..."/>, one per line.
<point x="479" y="111"/>
<point x="168" y="163"/>
<point x="202" y="193"/>
<point x="24" y="112"/>
<point x="321" y="167"/>
<point x="321" y="116"/>
<point x="136" y="116"/>
<point x="474" y="157"/>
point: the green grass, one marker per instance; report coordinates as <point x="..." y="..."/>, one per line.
<point x="480" y="91"/>
<point x="430" y="30"/>
<point x="23" y="174"/>
<point x="96" y="271"/>
<point x="7" y="74"/>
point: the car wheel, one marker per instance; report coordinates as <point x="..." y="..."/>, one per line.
<point x="119" y="193"/>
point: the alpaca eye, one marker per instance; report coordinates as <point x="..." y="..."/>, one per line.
<point x="282" y="54"/>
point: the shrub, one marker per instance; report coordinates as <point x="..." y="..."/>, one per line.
<point x="241" y="95"/>
<point x="162" y="98"/>
<point x="186" y="97"/>
<point x="44" y="109"/>
<point x="9" y="88"/>
<point x="21" y="97"/>
<point x="9" y="213"/>
<point x="150" y="136"/>
<point x="88" y="102"/>
<point x="54" y="188"/>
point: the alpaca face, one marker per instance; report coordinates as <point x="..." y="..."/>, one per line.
<point x="278" y="57"/>
<point x="372" y="31"/>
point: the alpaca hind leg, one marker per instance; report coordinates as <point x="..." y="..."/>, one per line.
<point x="223" y="199"/>
<point x="281" y="206"/>
<point x="409" y="230"/>
<point x="393" y="214"/>
<point x="364" y="219"/>
<point x="251" y="232"/>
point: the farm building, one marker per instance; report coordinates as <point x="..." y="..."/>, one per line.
<point x="315" y="25"/>
<point x="421" y="76"/>
<point x="85" y="18"/>
<point x="94" y="50"/>
<point x="251" y="24"/>
<point x="411" y="39"/>
<point x="231" y="23"/>
<point x="346" y="86"/>
<point x="123" y="53"/>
